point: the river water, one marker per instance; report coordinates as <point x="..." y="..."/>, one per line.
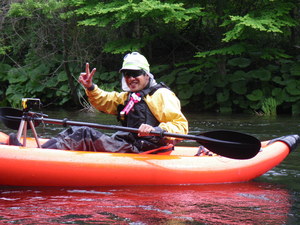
<point x="273" y="198"/>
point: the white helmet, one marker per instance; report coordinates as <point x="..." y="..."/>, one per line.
<point x="136" y="61"/>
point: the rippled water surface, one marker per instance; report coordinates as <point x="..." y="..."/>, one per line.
<point x="248" y="203"/>
<point x="273" y="198"/>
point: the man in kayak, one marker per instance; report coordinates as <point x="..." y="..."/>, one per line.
<point x="143" y="104"/>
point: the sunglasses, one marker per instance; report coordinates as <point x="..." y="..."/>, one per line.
<point x="133" y="73"/>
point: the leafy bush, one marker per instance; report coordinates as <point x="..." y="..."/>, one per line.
<point x="223" y="56"/>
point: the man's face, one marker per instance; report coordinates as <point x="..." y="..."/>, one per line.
<point x="134" y="82"/>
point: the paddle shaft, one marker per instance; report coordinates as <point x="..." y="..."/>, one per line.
<point x="66" y="122"/>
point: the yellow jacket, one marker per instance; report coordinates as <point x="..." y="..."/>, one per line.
<point x="163" y="104"/>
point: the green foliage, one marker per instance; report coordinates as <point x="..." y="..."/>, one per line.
<point x="240" y="62"/>
<point x="272" y="17"/>
<point x="109" y="81"/>
<point x="28" y="8"/>
<point x="134" y="19"/>
<point x="269" y="106"/>
<point x="4" y="68"/>
<point x="25" y="82"/>
<point x="251" y="42"/>
<point x="223" y="56"/>
<point x="296" y="108"/>
<point x="122" y="12"/>
<point x="4" y="49"/>
<point x="243" y="89"/>
<point x="235" y="49"/>
<point x="125" y="45"/>
<point x="255" y="95"/>
<point x="182" y="80"/>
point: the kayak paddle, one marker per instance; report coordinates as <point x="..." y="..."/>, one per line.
<point x="226" y="143"/>
<point x="13" y="123"/>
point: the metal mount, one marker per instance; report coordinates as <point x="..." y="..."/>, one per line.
<point x="27" y="104"/>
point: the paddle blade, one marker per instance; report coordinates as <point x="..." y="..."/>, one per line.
<point x="231" y="144"/>
<point x="9" y="122"/>
<point x="13" y="123"/>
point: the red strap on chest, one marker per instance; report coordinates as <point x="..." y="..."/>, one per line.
<point x="134" y="98"/>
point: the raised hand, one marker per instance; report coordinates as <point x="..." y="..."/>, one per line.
<point x="87" y="78"/>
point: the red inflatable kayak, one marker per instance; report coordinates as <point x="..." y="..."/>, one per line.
<point x="32" y="166"/>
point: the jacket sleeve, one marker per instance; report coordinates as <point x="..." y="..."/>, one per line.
<point x="106" y="101"/>
<point x="166" y="108"/>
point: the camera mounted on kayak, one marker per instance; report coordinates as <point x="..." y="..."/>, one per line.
<point x="31" y="103"/>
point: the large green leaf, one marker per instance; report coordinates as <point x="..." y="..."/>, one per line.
<point x="279" y="94"/>
<point x="51" y="82"/>
<point x="34" y="87"/>
<point x="221" y="83"/>
<point x="185" y="92"/>
<point x="223" y="96"/>
<point x="296" y="108"/>
<point x="4" y="68"/>
<point x="37" y="72"/>
<point x="239" y="87"/>
<point x="261" y="74"/>
<point x="237" y="76"/>
<point x="62" y="76"/>
<point x="15" y="94"/>
<point x="293" y="87"/>
<point x="63" y="90"/>
<point x="279" y="80"/>
<point x="293" y="99"/>
<point x="198" y="88"/>
<point x="168" y="79"/>
<point x="109" y="76"/>
<point x="255" y="95"/>
<point x="184" y="78"/>
<point x="272" y="68"/>
<point x="17" y="76"/>
<point x="295" y="69"/>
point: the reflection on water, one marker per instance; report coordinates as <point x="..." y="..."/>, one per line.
<point x="274" y="198"/>
<point x="247" y="203"/>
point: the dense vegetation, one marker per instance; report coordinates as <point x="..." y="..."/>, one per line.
<point x="220" y="55"/>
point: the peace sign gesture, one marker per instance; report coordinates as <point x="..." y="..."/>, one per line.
<point x="87" y="78"/>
